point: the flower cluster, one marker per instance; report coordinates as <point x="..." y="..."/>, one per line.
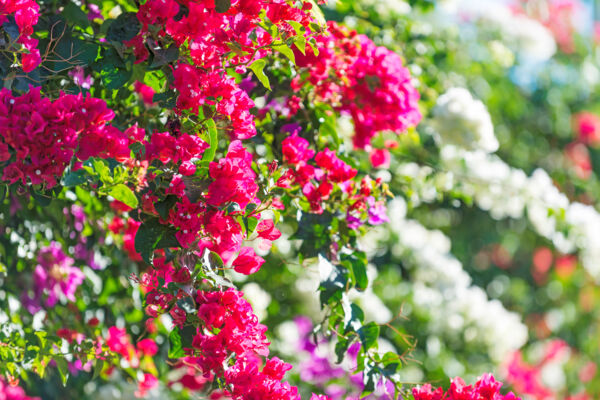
<point x="216" y="38"/>
<point x="208" y="30"/>
<point x="464" y="121"/>
<point x="26" y="14"/>
<point x="486" y="388"/>
<point x="559" y="17"/>
<point x="317" y="184"/>
<point x="587" y="127"/>
<point x="545" y="378"/>
<point x="526" y="36"/>
<point x="228" y="327"/>
<point x="13" y="392"/>
<point x="41" y="136"/>
<point x="233" y="178"/>
<point x="231" y="327"/>
<point x="180" y="150"/>
<point x="119" y="343"/>
<point x="443" y="290"/>
<point x="203" y="224"/>
<point x="54" y="277"/>
<point x="364" y="80"/>
<point x="338" y="382"/>
<point x="507" y="192"/>
<point x="198" y="88"/>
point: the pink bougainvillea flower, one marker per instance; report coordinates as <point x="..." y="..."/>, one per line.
<point x="247" y="262"/>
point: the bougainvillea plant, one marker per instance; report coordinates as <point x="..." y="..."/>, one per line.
<point x="149" y="151"/>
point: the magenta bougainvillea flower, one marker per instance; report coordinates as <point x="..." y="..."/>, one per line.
<point x="54" y="277"/>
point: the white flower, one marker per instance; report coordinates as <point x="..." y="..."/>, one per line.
<point x="464" y="121"/>
<point x="528" y="37"/>
<point x="442" y="289"/>
<point x="504" y="192"/>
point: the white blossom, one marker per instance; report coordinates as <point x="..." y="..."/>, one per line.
<point x="464" y="121"/>
<point x="442" y="289"/>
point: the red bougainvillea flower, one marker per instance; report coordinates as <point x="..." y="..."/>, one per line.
<point x="380" y="158"/>
<point x="146" y="92"/>
<point x="486" y="387"/>
<point x="13" y="392"/>
<point x="587" y="127"/>
<point x="295" y="150"/>
<point x="362" y="79"/>
<point x="247" y="262"/>
<point x="233" y="178"/>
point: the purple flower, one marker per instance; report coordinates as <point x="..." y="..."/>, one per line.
<point x="94" y="12"/>
<point x="293" y="128"/>
<point x="79" y="77"/>
<point x="247" y="84"/>
<point x="55" y="276"/>
<point x="353" y="222"/>
<point x="377" y="211"/>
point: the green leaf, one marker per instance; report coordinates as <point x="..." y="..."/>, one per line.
<point x="212" y="266"/>
<point x="313" y="45"/>
<point x="41" y="198"/>
<point x="391" y="362"/>
<point x="125" y="195"/>
<point x="63" y="369"/>
<point x="153" y="235"/>
<point x="163" y="207"/>
<point x="124" y="28"/>
<point x="3" y="192"/>
<point x="175" y="346"/>
<point x="328" y="126"/>
<point x="300" y="42"/>
<point x="212" y="260"/>
<point x="74" y="178"/>
<point x="298" y="27"/>
<point x="11" y="28"/>
<point x="369" y="334"/>
<point x="257" y="67"/>
<point x="114" y="78"/>
<point x="332" y="288"/>
<point x="222" y="6"/>
<point x="164" y="56"/>
<point x="370" y="378"/>
<point x="251" y="224"/>
<point x="166" y="99"/>
<point x="353" y="317"/>
<point x="98" y="365"/>
<point x="75" y="15"/>
<point x="168" y="239"/>
<point x="102" y="169"/>
<point x="341" y="347"/>
<point x="286" y="51"/>
<point x="358" y="268"/>
<point x="213" y="143"/>
<point x="42" y="338"/>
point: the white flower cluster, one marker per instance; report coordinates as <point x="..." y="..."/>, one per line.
<point x="464" y="121"/>
<point x="442" y="289"/>
<point x="508" y="192"/>
<point x="466" y="137"/>
<point x="526" y="36"/>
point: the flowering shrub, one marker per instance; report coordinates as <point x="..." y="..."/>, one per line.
<point x="182" y="180"/>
